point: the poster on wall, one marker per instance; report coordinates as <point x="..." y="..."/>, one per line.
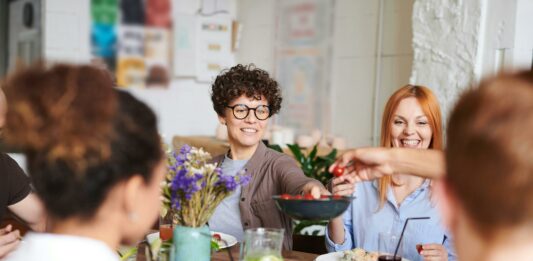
<point x="202" y="33"/>
<point x="104" y="15"/>
<point x="184" y="45"/>
<point x="213" y="46"/>
<point x="157" y="57"/>
<point x="303" y="49"/>
<point x="131" y="68"/>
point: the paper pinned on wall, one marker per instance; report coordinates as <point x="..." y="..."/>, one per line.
<point x="184" y="61"/>
<point x="157" y="53"/>
<point x="213" y="53"/>
<point x="131" y="68"/>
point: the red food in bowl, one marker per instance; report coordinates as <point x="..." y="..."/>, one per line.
<point x="308" y="197"/>
<point x="419" y="248"/>
<point x="286" y="196"/>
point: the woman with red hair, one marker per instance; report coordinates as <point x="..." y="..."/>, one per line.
<point x="411" y="119"/>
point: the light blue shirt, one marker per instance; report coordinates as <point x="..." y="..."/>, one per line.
<point x="227" y="215"/>
<point x="363" y="221"/>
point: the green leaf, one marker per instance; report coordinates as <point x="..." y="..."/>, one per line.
<point x="130" y="252"/>
<point x="297" y="153"/>
<point x="214" y="245"/>
<point x="313" y="152"/>
<point x="276" y="147"/>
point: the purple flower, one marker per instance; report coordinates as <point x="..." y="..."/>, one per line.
<point x="244" y="179"/>
<point x="227" y="181"/>
<point x="185" y="149"/>
<point x="183" y="185"/>
<point x="232" y="182"/>
<point x="176" y="204"/>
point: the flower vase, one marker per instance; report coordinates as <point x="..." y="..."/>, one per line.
<point x="192" y="243"/>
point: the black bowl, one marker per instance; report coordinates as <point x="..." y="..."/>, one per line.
<point x="315" y="209"/>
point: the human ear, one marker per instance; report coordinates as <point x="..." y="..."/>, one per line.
<point x="222" y="120"/>
<point x="132" y="190"/>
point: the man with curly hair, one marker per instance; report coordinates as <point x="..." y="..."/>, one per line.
<point x="245" y="97"/>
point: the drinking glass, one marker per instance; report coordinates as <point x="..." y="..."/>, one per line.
<point x="262" y="244"/>
<point x="166" y="227"/>
<point x="164" y="253"/>
<point x="387" y="243"/>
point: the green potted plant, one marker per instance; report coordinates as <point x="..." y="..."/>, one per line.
<point x="308" y="235"/>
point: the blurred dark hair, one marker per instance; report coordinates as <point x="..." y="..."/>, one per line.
<point x="248" y="80"/>
<point x="489" y="153"/>
<point x="81" y="136"/>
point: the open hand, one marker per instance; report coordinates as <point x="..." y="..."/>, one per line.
<point x="315" y="189"/>
<point x="9" y="240"/>
<point x="365" y="163"/>
<point x="434" y="252"/>
<point x="343" y="185"/>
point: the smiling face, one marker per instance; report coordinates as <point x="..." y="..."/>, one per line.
<point x="410" y="127"/>
<point x="245" y="133"/>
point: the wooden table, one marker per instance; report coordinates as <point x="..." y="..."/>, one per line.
<point x="222" y="255"/>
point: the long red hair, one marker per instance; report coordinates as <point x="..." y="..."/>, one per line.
<point x="430" y="107"/>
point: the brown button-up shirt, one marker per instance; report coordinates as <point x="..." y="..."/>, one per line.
<point x="272" y="173"/>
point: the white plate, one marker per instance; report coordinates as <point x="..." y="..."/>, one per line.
<point x="335" y="256"/>
<point x="229" y="239"/>
<point x="152" y="236"/>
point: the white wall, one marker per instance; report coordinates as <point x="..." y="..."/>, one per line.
<point x="66" y="34"/>
<point x="446" y="38"/>
<point x="354" y="55"/>
<point x="451" y="64"/>
<point x="456" y="43"/>
<point x="183" y="109"/>
<point x="522" y="55"/>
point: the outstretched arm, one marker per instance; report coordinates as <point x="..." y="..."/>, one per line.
<point x="372" y="163"/>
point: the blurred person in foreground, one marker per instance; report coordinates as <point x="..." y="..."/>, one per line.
<point x="245" y="97"/>
<point x="94" y="156"/>
<point x="486" y="189"/>
<point x="16" y="196"/>
<point x="411" y="119"/>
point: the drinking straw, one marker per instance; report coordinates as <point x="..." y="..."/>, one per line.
<point x="403" y="230"/>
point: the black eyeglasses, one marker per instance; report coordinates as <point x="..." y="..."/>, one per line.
<point x="241" y="111"/>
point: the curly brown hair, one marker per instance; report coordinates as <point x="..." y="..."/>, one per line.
<point x="245" y="80"/>
<point x="50" y="109"/>
<point x="80" y="135"/>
